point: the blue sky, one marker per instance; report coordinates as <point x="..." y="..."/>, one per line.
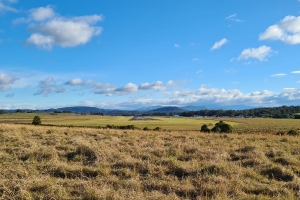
<point x="138" y="53"/>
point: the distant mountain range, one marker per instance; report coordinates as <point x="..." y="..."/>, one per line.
<point x="143" y="110"/>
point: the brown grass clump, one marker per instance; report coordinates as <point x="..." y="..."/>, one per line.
<point x="83" y="163"/>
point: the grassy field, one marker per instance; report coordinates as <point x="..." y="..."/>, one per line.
<point x="249" y="125"/>
<point x="167" y="123"/>
<point x="39" y="162"/>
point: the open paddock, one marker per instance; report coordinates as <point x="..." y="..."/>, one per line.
<point x="240" y="125"/>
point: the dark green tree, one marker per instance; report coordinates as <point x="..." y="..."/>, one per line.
<point x="222" y="127"/>
<point x="205" y="129"/>
<point x="36" y="120"/>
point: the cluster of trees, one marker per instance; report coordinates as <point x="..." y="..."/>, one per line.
<point x="220" y="127"/>
<point x="274" y="112"/>
<point x="64" y="111"/>
<point x="96" y="113"/>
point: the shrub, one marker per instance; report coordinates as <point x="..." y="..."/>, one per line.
<point x="222" y="127"/>
<point x="293" y="132"/>
<point x="36" y="120"/>
<point x="145" y="128"/>
<point x="280" y="133"/>
<point x="205" y="129"/>
<point x="157" y="129"/>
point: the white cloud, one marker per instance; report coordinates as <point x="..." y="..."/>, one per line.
<point x="278" y="75"/>
<point x="287" y="31"/>
<point x="176" y="45"/>
<point x="231" y="70"/>
<point x="219" y="44"/>
<point x="199" y="71"/>
<point x="42" y="13"/>
<point x="261" y="53"/>
<point x="4" y="88"/>
<point x="49" y="28"/>
<point x="205" y="96"/>
<point x="129" y="88"/>
<point x="233" y="18"/>
<point x="89" y="83"/>
<point x="48" y="86"/>
<point x="296" y="72"/>
<point x="171" y="83"/>
<point x="4" y="8"/>
<point x="158" y="85"/>
<point x="195" y="59"/>
<point x="6" y="79"/>
<point x="41" y="41"/>
<point x="75" y="81"/>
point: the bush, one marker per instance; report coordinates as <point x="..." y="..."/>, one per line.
<point x="146" y="129"/>
<point x="280" y="133"/>
<point x="205" y="129"/>
<point x="222" y="127"/>
<point x="293" y="132"/>
<point x="36" y="120"/>
<point x="157" y="129"/>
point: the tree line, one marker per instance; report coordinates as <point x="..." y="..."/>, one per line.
<point x="272" y="112"/>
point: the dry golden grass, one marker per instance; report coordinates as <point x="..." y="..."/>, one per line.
<point x="82" y="163"/>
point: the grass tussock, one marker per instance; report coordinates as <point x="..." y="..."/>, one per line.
<point x="82" y="163"/>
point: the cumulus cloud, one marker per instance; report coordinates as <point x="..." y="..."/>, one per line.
<point x="295" y="72"/>
<point x="171" y="83"/>
<point x="42" y="13"/>
<point x="261" y="53"/>
<point x="75" y="81"/>
<point x="176" y="45"/>
<point x="6" y="79"/>
<point x="278" y="75"/>
<point x="219" y="44"/>
<point x="89" y="83"/>
<point x="49" y="28"/>
<point x="158" y="85"/>
<point x="49" y="86"/>
<point x="287" y="31"/>
<point x="129" y="88"/>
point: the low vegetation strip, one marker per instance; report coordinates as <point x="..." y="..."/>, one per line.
<point x="39" y="162"/>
